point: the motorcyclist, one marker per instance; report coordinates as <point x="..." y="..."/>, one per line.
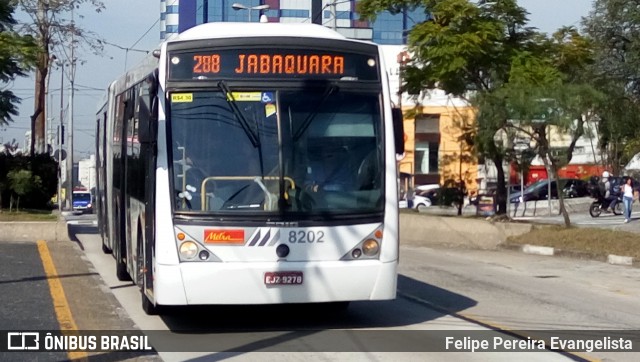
<point x="609" y="199"/>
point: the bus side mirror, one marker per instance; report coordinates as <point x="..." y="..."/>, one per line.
<point x="398" y="130"/>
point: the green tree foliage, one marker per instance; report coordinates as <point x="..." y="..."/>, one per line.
<point x="466" y="48"/>
<point x="17" y="55"/>
<point x="540" y="101"/>
<point x="21" y="182"/>
<point x="484" y="52"/>
<point x="43" y="167"/>
<point x="613" y="27"/>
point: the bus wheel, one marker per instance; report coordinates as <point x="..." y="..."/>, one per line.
<point x="148" y="306"/>
<point x="121" y="271"/>
<point x="106" y="249"/>
<point x="121" y="265"/>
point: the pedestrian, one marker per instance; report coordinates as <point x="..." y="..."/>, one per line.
<point x="627" y="198"/>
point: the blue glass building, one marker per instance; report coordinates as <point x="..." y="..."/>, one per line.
<point x="179" y="15"/>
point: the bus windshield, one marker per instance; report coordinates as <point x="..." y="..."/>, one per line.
<point x="81" y="196"/>
<point x="311" y="151"/>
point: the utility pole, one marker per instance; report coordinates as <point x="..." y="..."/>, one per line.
<point x="72" y="75"/>
<point x="334" y="14"/>
<point x="60" y="137"/>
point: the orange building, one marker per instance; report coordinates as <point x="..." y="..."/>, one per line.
<point x="434" y="153"/>
<point x="434" y="150"/>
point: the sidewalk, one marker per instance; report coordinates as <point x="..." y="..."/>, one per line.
<point x="448" y="230"/>
<point x="605" y="221"/>
<point x="527" y="209"/>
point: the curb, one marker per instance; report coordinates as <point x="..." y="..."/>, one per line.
<point x="550" y="251"/>
<point x="19" y="231"/>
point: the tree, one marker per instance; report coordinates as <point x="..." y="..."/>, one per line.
<point x="51" y="29"/>
<point x="17" y="56"/>
<point x="21" y="182"/>
<point x="466" y="49"/>
<point x="540" y="101"/>
<point x="613" y="27"/>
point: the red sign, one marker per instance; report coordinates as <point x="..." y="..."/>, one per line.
<point x="220" y="236"/>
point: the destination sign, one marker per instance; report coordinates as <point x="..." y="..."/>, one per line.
<point x="272" y="64"/>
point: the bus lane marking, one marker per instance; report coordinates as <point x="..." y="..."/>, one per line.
<point x="60" y="304"/>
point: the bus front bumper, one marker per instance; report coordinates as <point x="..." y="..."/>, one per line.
<point x="246" y="283"/>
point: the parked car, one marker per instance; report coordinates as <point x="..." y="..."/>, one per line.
<point x="513" y="189"/>
<point x="443" y="196"/>
<point x="575" y="188"/>
<point x="420" y="201"/>
<point x="539" y="190"/>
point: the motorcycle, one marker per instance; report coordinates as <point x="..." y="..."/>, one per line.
<point x="599" y="205"/>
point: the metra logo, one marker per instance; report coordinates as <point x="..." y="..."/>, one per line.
<point x="224" y="236"/>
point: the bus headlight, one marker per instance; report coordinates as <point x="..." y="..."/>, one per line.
<point x="370" y="247"/>
<point x="188" y="249"/>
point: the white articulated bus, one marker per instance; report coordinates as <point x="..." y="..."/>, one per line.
<point x="252" y="164"/>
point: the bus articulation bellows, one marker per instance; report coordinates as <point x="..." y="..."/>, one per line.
<point x="252" y="164"/>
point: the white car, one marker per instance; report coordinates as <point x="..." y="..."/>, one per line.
<point x="421" y="202"/>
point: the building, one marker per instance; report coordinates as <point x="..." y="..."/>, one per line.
<point x="87" y="172"/>
<point x="179" y="15"/>
<point x="586" y="160"/>
<point x="434" y="153"/>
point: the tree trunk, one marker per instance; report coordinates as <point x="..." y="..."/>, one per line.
<point x="38" y="117"/>
<point x="552" y="169"/>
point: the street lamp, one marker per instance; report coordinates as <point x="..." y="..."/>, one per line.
<point x="238" y="6"/>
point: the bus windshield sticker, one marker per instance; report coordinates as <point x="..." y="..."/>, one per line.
<point x="245" y="96"/>
<point x="267" y="97"/>
<point x="269" y="110"/>
<point x="182" y="97"/>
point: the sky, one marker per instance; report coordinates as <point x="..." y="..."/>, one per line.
<point x="134" y="24"/>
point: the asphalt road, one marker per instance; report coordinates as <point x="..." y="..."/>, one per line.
<point x="248" y="331"/>
<point x="438" y="289"/>
<point x="65" y="294"/>
<point x="25" y="298"/>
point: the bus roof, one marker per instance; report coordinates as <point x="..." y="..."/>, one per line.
<point x="230" y="30"/>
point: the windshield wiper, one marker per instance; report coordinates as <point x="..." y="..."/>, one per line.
<point x="253" y="137"/>
<point x="307" y="121"/>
